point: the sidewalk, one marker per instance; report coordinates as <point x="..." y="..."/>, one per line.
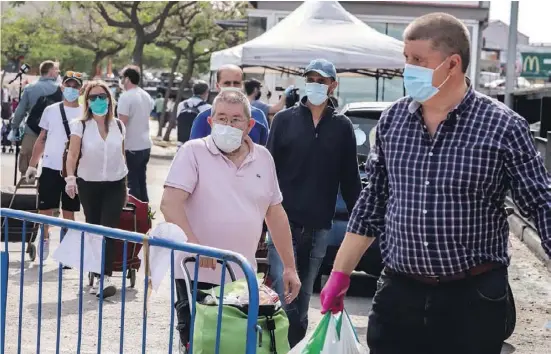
<point x="162" y="149"/>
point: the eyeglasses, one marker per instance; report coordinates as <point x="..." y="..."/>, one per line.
<point x="102" y="96"/>
<point x="74" y="74"/>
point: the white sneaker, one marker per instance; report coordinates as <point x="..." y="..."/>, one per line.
<point x="43" y="249"/>
<point x="108" y="288"/>
<point x="94" y="289"/>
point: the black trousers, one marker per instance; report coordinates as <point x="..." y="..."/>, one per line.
<point x="183" y="308"/>
<point x="102" y="203"/>
<point x="136" y="161"/>
<point x="461" y="317"/>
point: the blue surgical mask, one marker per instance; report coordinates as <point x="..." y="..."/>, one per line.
<point x="99" y="106"/>
<point x="418" y="82"/>
<point x="316" y="93"/>
<point x="70" y="94"/>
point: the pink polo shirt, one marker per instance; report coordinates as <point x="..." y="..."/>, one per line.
<point x="227" y="205"/>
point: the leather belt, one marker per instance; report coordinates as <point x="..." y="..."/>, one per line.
<point x="436" y="280"/>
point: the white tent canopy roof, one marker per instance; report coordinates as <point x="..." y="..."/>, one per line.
<point x="317" y="29"/>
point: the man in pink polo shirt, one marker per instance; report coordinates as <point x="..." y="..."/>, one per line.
<point x="219" y="190"/>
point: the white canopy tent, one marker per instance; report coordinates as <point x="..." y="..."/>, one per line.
<point x="316" y="29"/>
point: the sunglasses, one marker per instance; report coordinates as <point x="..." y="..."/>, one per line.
<point x="102" y="96"/>
<point x="74" y="74"/>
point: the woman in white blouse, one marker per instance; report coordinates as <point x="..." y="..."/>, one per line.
<point x="96" y="156"/>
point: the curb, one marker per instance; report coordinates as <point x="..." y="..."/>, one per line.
<point x="162" y="157"/>
<point x="528" y="235"/>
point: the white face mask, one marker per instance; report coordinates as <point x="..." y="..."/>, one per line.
<point x="227" y="138"/>
<point x="231" y="88"/>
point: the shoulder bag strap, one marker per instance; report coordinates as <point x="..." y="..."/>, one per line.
<point x="64" y="119"/>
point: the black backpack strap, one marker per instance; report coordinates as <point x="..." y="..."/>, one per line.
<point x="202" y="103"/>
<point x="119" y="124"/>
<point x="65" y="122"/>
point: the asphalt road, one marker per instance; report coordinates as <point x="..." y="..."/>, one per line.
<point x="530" y="281"/>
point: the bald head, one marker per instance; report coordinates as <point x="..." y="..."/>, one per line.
<point x="229" y="76"/>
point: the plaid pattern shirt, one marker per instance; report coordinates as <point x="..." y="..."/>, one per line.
<point x="437" y="203"/>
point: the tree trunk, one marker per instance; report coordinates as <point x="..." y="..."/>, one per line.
<point x="190" y="68"/>
<point x="185" y="83"/>
<point x="164" y="117"/>
<point x="137" y="54"/>
<point x="174" y="113"/>
<point x="95" y="63"/>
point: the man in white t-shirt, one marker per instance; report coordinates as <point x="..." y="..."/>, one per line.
<point x="50" y="146"/>
<point x="133" y="110"/>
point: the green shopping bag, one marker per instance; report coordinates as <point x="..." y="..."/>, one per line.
<point x="234" y="325"/>
<point x="234" y="330"/>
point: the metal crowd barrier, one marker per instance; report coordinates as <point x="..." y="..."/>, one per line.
<point x="31" y="219"/>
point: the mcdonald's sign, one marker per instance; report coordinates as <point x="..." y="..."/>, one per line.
<point x="536" y="65"/>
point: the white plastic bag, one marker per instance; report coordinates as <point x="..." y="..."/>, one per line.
<point x="349" y="343"/>
<point x="334" y="334"/>
<point x="323" y="340"/>
<point x="68" y="251"/>
<point x="159" y="257"/>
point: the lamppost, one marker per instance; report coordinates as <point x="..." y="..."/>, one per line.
<point x="511" y="74"/>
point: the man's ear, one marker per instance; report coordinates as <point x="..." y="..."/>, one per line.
<point x="252" y="122"/>
<point x="209" y="119"/>
<point x="334" y="85"/>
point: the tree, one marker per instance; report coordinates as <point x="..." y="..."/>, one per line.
<point x="89" y="31"/>
<point x="172" y="40"/>
<point x="194" y="35"/>
<point x="36" y="35"/>
<point x="146" y="19"/>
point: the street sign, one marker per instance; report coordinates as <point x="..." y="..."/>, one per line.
<point x="536" y="65"/>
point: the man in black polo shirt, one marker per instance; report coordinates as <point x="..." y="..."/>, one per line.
<point x="314" y="149"/>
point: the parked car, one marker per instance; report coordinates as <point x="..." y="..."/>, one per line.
<point x="500" y="83"/>
<point x="364" y="117"/>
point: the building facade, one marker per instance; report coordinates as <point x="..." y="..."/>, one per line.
<point x="390" y="18"/>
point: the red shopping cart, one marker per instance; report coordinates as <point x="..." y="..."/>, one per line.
<point x="135" y="217"/>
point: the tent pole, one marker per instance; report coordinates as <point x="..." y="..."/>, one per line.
<point x="377" y="87"/>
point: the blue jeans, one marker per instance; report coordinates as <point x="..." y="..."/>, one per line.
<point x="309" y="248"/>
<point x="137" y="172"/>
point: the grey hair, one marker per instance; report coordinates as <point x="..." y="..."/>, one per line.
<point x="447" y="33"/>
<point x="232" y="97"/>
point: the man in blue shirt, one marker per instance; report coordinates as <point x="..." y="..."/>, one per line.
<point x="230" y="77"/>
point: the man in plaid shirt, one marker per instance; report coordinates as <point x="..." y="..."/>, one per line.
<point x="443" y="160"/>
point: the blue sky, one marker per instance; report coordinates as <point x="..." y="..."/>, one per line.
<point x="534" y="18"/>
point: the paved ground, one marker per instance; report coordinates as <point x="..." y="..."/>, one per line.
<point x="530" y="281"/>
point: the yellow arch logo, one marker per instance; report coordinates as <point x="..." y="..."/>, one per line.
<point x="530" y="63"/>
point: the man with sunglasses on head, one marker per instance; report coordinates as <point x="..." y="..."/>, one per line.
<point x="314" y="150"/>
<point x="50" y="146"/>
<point x="134" y="108"/>
<point x="230" y="77"/>
<point x="45" y="87"/>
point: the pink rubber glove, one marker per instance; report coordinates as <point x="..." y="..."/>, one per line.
<point x="332" y="295"/>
